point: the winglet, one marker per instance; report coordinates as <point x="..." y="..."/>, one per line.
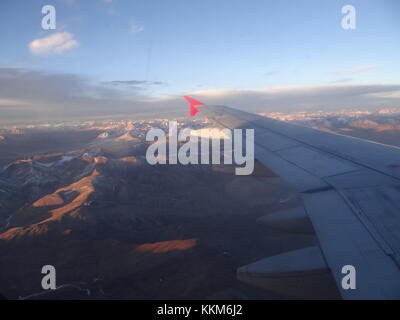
<point x="193" y="104"/>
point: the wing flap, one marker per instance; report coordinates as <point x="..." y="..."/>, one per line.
<point x="317" y="163"/>
<point x="298" y="178"/>
<point x="299" y="273"/>
<point x="346" y="241"/>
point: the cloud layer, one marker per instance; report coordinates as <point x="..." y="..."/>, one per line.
<point x="329" y="96"/>
<point x="134" y="83"/>
<point x="32" y="95"/>
<point x="358" y="69"/>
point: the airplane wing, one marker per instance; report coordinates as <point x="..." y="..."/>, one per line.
<point x="351" y="194"/>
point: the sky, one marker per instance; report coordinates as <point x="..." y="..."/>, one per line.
<point x="109" y="57"/>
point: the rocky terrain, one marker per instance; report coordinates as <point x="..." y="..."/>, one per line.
<point x="381" y="126"/>
<point x="115" y="227"/>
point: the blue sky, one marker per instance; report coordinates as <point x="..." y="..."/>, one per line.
<point x="182" y="46"/>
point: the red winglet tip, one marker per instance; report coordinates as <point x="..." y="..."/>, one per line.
<point x="193" y="104"/>
<point x="193" y="111"/>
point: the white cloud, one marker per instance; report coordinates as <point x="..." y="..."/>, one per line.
<point x="387" y="95"/>
<point x="13" y="103"/>
<point x="136" y="28"/>
<point x="56" y="43"/>
<point x="358" y="69"/>
<point x="342" y="80"/>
